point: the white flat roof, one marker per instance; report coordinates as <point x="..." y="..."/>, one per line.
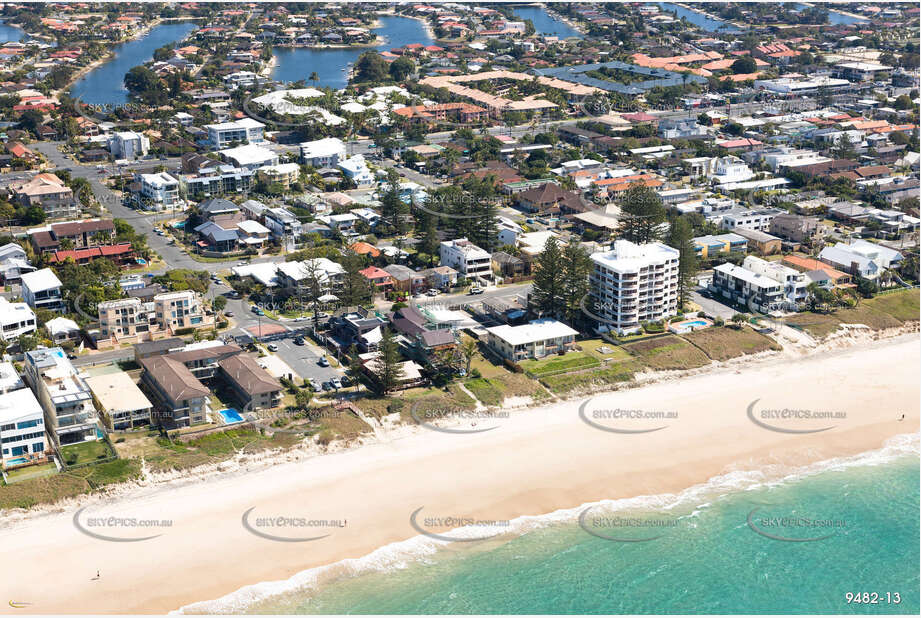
<point x="748" y="276"/>
<point x="41" y="280"/>
<point x="243" y="123"/>
<point x="538" y="330"/>
<point x="19" y="405"/>
<point x="249" y="154"/>
<point x="9" y="377"/>
<point x="628" y="256"/>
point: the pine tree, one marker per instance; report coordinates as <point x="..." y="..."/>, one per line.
<point x="387" y="368"/>
<point x="576" y="267"/>
<point x="393" y="208"/>
<point x="548" y="289"/>
<point x="356" y="289"/>
<point x="681" y="238"/>
<point x="354" y="368"/>
<point x="426" y="227"/>
<point x="641" y="214"/>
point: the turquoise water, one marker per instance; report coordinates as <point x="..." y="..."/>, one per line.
<point x="708" y="560"/>
<point x="297" y="63"/>
<point x="106" y="83"/>
<point x="230" y="416"/>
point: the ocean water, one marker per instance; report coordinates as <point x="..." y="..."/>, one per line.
<point x="714" y="548"/>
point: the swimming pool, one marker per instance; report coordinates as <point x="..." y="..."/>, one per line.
<point x="688" y="326"/>
<point x="16" y="461"/>
<point x="230" y="416"/>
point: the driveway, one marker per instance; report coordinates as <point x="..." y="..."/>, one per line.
<point x="712" y="306"/>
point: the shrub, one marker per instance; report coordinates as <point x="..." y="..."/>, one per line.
<point x="475" y="373"/>
<point x="395" y="406"/>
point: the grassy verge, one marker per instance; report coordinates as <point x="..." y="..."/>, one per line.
<point x="613" y="373"/>
<point x="885" y="311"/>
<point x="667" y="353"/>
<point x="571" y="361"/>
<point x="489" y="392"/>
<point x="50" y="489"/>
<point x="722" y="343"/>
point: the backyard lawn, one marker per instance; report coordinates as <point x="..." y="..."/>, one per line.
<point x="85" y="452"/>
<point x="28" y="472"/>
<point x="603" y="350"/>
<point x="50" y="489"/>
<point x="571" y="361"/>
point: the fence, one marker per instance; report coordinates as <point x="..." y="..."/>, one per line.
<point x="69" y="468"/>
<point x="198" y="433"/>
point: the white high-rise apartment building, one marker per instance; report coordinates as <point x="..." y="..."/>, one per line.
<point x="632" y="284"/>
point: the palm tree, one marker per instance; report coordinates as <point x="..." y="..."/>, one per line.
<point x="469" y="348"/>
<point x="314" y="78"/>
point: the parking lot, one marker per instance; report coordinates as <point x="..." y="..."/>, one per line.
<point x="303" y="360"/>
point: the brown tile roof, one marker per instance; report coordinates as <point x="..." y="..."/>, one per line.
<point x="189" y="356"/>
<point x="72" y="228"/>
<point x="248" y="375"/>
<point x="174" y="378"/>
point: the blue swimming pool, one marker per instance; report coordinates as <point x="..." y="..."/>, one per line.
<point x="16" y="461"/>
<point x="681" y="328"/>
<point x="230" y="416"/>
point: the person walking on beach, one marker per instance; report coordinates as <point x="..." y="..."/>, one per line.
<point x="97" y="576"/>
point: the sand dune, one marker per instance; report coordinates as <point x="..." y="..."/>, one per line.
<point x="534" y="461"/>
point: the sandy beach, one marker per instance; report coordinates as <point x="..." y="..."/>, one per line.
<point x="535" y="461"/>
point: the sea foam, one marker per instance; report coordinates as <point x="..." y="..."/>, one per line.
<point x="693" y="500"/>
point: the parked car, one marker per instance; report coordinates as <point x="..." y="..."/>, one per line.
<point x="327" y="386"/>
<point x="315" y="385"/>
<point x="323" y="362"/>
<point x="345" y="381"/>
<point x="336" y="383"/>
<point x="272" y="347"/>
<point x="298" y="341"/>
<point x="229" y="314"/>
<point x="433" y="292"/>
<point x="475" y="291"/>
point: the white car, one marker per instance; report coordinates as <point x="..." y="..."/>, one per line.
<point x="432" y="292"/>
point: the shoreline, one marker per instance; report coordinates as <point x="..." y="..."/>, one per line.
<point x="395" y="555"/>
<point x="555" y="461"/>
